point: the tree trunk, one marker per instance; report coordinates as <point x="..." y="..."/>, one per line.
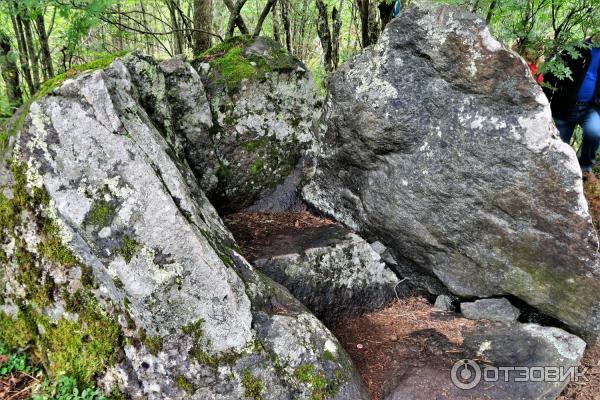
<point x="286" y="25"/>
<point x="23" y="58"/>
<point x="336" y="17"/>
<point x="10" y="73"/>
<point x="324" y="34"/>
<point x="202" y="22"/>
<point x="374" y="25"/>
<point x="276" y="27"/>
<point x="33" y="57"/>
<point x="263" y="16"/>
<point x="239" y="21"/>
<point x="45" y="49"/>
<point x="363" y="8"/>
<point x="235" y="14"/>
<point x="385" y="12"/>
<point x="490" y="13"/>
<point x="177" y="37"/>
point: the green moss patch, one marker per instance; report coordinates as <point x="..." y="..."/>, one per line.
<point x="100" y="214"/>
<point x="153" y="343"/>
<point x="234" y="65"/>
<point x="81" y="348"/>
<point x="253" y="386"/>
<point x="129" y="248"/>
<point x="182" y="383"/>
<point x="321" y="388"/>
<point x="15" y="332"/>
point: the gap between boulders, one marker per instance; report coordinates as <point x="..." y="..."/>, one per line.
<point x="405" y="338"/>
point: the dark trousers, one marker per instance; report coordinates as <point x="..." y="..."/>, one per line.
<point x="588" y="117"/>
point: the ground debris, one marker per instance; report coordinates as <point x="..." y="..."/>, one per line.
<point x="256" y="230"/>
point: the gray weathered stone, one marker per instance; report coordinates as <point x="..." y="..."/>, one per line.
<point x="440" y="145"/>
<point x="498" y="345"/>
<point x="265" y="108"/>
<point x="490" y="309"/>
<point x="332" y="271"/>
<point x="443" y="303"/>
<point x="102" y="223"/>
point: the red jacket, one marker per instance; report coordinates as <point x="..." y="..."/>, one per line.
<point x="534" y="70"/>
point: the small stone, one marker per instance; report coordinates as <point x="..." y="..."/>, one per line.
<point x="359" y="346"/>
<point x="443" y="303"/>
<point x="491" y="309"/>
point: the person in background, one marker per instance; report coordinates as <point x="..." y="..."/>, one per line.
<point x="576" y="101"/>
<point x="535" y="61"/>
<point x="397" y="8"/>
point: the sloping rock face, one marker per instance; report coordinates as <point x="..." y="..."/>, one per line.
<point x="264" y="113"/>
<point x="117" y="269"/>
<point x="332" y="271"/>
<point x="440" y="145"/>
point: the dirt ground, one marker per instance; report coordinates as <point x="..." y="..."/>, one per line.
<point x="254" y="231"/>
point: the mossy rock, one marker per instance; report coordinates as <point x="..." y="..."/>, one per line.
<point x="264" y="107"/>
<point x="245" y="57"/>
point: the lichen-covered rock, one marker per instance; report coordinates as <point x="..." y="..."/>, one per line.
<point x="265" y="109"/>
<point x="440" y="145"/>
<point x="117" y="269"/>
<point x="332" y="271"/>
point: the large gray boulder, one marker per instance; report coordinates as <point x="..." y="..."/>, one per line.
<point x="332" y="271"/>
<point x="264" y="112"/>
<point x="117" y="269"/>
<point x="440" y="145"/>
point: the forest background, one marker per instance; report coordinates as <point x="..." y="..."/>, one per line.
<point x="41" y="39"/>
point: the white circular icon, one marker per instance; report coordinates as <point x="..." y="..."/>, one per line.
<point x="466" y="374"/>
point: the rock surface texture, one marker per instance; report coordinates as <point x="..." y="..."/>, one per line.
<point x="498" y="345"/>
<point x="117" y="268"/>
<point x="458" y="167"/>
<point x="332" y="271"/>
<point x="490" y="309"/>
<point x="265" y="109"/>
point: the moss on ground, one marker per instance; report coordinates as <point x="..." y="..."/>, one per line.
<point x="82" y="348"/>
<point x="15" y="332"/>
<point x="234" y="65"/>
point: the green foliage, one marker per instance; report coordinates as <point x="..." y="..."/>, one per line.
<point x="16" y="362"/>
<point x="66" y="388"/>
